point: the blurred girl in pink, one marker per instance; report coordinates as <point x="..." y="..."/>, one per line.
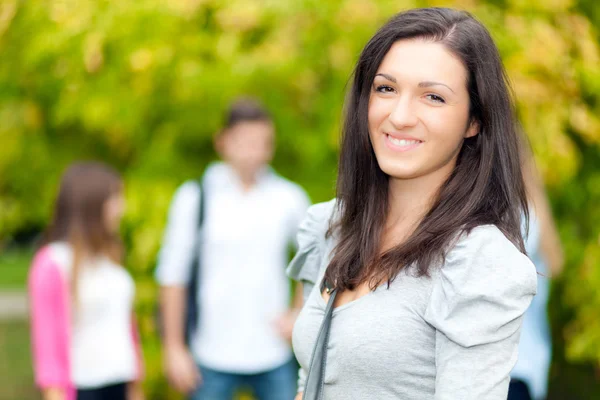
<point x="85" y="346"/>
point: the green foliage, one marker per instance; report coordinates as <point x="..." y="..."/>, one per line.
<point x="14" y="264"/>
<point x="143" y="84"/>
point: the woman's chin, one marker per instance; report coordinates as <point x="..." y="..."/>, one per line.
<point x="403" y="173"/>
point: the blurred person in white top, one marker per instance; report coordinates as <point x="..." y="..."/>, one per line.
<point x="251" y="215"/>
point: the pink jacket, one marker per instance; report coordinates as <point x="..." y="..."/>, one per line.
<point x="50" y="302"/>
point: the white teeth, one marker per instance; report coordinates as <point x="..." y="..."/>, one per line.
<point x="402" y="142"/>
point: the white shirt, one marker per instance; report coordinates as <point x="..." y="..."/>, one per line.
<point x="102" y="347"/>
<point x="243" y="253"/>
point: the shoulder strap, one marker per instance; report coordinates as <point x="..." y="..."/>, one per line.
<point x="313" y="390"/>
<point x="201" y="204"/>
<point x="192" y="289"/>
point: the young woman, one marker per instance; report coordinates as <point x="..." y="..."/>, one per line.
<point x="85" y="345"/>
<point x="422" y="247"/>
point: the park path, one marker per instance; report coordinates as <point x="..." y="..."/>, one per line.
<point x="13" y="304"/>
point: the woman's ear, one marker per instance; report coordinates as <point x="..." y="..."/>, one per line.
<point x="473" y="129"/>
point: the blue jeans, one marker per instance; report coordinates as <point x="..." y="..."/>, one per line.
<point x="518" y="390"/>
<point x="117" y="391"/>
<point x="276" y="384"/>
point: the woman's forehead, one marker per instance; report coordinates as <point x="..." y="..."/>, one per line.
<point x="416" y="60"/>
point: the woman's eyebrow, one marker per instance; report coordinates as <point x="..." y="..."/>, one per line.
<point x="388" y="77"/>
<point x="431" y="83"/>
<point x="423" y="84"/>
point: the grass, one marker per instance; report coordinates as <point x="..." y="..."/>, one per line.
<point x="16" y="375"/>
<point x="14" y="266"/>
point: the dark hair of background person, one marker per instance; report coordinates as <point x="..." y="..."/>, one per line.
<point x="79" y="214"/>
<point x="486" y="186"/>
<point x="245" y="109"/>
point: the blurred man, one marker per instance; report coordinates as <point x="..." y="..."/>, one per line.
<point x="250" y="218"/>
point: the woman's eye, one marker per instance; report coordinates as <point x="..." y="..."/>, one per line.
<point x="384" y="89"/>
<point x="435" y="98"/>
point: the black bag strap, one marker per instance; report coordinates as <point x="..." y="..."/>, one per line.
<point x="313" y="389"/>
<point x="192" y="287"/>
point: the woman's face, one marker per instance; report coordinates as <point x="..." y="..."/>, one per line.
<point x="419" y="110"/>
<point x="114" y="208"/>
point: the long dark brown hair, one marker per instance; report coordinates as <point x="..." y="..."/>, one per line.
<point x="79" y="214"/>
<point x="486" y="186"/>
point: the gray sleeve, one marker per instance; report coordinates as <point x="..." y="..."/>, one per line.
<point x="299" y="203"/>
<point x="179" y="238"/>
<point x="302" y="374"/>
<point x="305" y="265"/>
<point x="476" y="306"/>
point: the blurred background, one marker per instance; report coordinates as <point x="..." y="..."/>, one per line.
<point x="142" y="85"/>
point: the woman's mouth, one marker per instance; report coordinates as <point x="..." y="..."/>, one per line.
<point x="401" y="144"/>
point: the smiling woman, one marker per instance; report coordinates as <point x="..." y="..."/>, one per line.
<point x="415" y="277"/>
<point x="412" y="114"/>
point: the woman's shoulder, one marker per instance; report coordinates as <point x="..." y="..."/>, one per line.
<point x="312" y="239"/>
<point x="55" y="255"/>
<point x="50" y="267"/>
<point x="313" y="229"/>
<point x="484" y="283"/>
<point x="484" y="258"/>
<point x="322" y="212"/>
<point x="489" y="242"/>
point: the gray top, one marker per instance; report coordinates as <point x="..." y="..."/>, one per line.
<point x="452" y="336"/>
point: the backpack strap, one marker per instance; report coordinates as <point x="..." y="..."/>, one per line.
<point x="191" y="323"/>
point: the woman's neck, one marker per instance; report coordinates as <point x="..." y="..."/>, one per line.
<point x="410" y="200"/>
